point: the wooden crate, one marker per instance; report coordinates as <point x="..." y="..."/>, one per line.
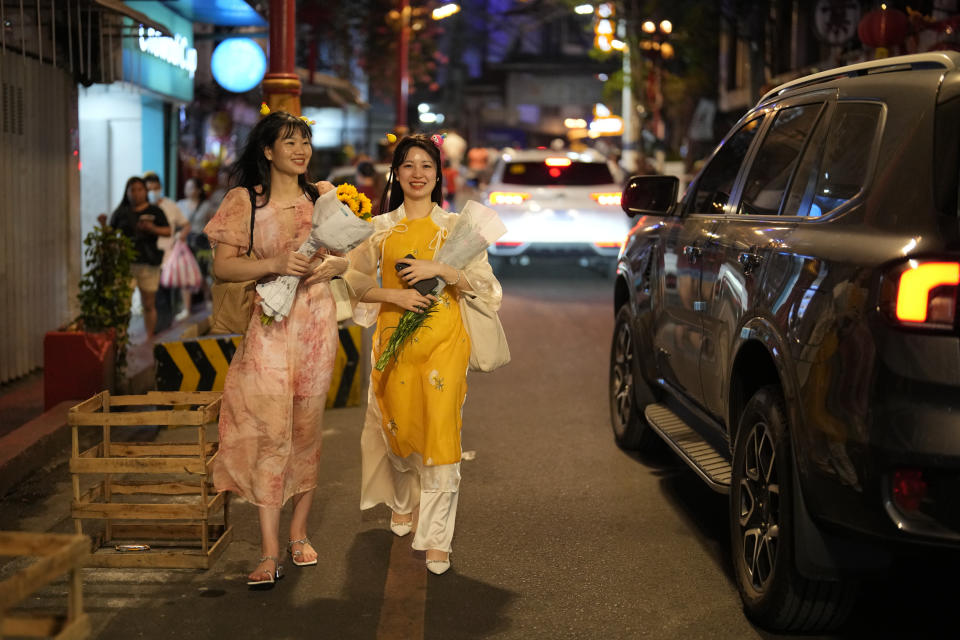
<point x="57" y="554"/>
<point x="154" y="493"/>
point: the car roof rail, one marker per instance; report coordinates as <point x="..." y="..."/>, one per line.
<point x="949" y="60"/>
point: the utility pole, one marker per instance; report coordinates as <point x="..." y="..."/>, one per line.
<point x="281" y="85"/>
<point x="629" y="153"/>
<point x="403" y="71"/>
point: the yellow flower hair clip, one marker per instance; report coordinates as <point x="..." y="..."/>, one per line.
<point x="308" y="120"/>
<point x="264" y="109"/>
<point x="391" y="138"/>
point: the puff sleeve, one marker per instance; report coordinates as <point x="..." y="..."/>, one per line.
<point x="231" y="223"/>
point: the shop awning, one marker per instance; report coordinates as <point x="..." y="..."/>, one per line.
<point x="223" y="13"/>
<point x="115" y="6"/>
<point x="324" y="90"/>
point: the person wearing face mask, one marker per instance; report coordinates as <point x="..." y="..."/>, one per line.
<point x="181" y="228"/>
<point x="410" y="445"/>
<point x="143" y="223"/>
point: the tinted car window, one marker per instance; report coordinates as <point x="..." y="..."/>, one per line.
<point x="834" y="169"/>
<point x="539" y="174"/>
<point x="776" y="159"/>
<point x="716" y="181"/>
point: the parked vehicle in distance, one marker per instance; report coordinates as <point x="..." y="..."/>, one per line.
<point x="790" y="328"/>
<point x="557" y="203"/>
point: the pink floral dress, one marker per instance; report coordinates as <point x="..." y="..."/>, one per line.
<point x="271" y="417"/>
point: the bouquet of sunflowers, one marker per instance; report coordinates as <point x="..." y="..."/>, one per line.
<point x="341" y="221"/>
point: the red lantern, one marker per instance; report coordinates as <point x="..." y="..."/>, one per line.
<point x="882" y="28"/>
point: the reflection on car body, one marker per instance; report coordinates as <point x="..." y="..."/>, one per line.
<point x="791" y="329"/>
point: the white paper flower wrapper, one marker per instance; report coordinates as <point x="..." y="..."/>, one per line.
<point x="336" y="228"/>
<point x="477" y="227"/>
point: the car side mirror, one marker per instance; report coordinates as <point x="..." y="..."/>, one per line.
<point x="650" y="195"/>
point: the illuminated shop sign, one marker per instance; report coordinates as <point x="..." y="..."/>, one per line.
<point x="176" y="50"/>
<point x="161" y="64"/>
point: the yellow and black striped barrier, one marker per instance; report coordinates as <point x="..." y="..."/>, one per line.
<point x="200" y="364"/>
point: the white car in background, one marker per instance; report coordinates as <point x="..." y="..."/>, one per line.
<point x="557" y="203"/>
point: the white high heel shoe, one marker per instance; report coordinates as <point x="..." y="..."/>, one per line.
<point x="401" y="528"/>
<point x="438" y="567"/>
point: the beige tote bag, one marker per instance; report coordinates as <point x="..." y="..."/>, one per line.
<point x="488" y="342"/>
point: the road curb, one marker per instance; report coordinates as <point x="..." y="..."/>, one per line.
<point x="34" y="444"/>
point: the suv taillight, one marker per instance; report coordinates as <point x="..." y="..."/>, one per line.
<point x="922" y="293"/>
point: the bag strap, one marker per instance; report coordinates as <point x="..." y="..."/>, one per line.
<point x="253" y="211"/>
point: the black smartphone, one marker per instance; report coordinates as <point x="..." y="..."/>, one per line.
<point x="424" y="287"/>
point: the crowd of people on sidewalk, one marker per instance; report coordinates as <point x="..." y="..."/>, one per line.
<point x="156" y="225"/>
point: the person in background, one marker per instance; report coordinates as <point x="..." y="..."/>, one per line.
<point x="198" y="209"/>
<point x="451" y="180"/>
<point x="223" y="185"/>
<point x="181" y="229"/>
<point x="143" y="223"/>
<point x="369" y="183"/>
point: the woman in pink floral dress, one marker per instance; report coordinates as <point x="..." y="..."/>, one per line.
<point x="276" y="387"/>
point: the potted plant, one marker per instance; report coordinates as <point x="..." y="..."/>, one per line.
<point x="90" y="353"/>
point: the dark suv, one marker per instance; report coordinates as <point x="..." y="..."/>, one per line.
<point x="790" y="328"/>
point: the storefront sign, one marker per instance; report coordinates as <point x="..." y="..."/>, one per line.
<point x="163" y="65"/>
<point x="176" y="50"/>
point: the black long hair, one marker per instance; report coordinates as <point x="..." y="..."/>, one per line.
<point x="252" y="169"/>
<point x="393" y="193"/>
<point x="125" y="202"/>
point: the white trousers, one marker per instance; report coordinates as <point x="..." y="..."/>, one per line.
<point x="437" y="501"/>
<point x="405" y="483"/>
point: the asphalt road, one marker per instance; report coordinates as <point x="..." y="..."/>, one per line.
<point x="559" y="533"/>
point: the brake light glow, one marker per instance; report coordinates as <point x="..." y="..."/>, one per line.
<point x="609" y="244"/>
<point x="612" y="198"/>
<point x="557" y="162"/>
<point x="922" y="295"/>
<point x="505" y="197"/>
<point x="909" y="489"/>
<point x="509" y="245"/>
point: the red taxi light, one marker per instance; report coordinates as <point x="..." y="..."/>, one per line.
<point x="506" y="197"/>
<point x="612" y="198"/>
<point x="909" y="489"/>
<point x="922" y="294"/>
<point x="557" y="162"/>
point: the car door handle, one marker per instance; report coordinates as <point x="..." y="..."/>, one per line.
<point x="750" y="261"/>
<point x="691" y="252"/>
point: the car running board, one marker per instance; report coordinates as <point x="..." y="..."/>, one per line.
<point x="711" y="465"/>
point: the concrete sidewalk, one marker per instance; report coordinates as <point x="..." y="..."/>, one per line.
<point x="31" y="438"/>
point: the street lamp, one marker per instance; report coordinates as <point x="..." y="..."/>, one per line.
<point x="656" y="48"/>
<point x="404" y="17"/>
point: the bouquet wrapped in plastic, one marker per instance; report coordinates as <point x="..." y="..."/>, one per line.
<point x="477" y="227"/>
<point x="341" y="221"/>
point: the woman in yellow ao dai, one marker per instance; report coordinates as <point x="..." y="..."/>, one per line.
<point x="411" y="438"/>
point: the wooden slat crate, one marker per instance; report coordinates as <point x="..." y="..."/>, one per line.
<point x="57" y="554"/>
<point x="153" y="493"/>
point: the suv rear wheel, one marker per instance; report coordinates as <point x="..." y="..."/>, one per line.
<point x="774" y="594"/>
<point x="628" y="390"/>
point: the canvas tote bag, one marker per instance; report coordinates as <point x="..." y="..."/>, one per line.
<point x="488" y="342"/>
<point x="233" y="301"/>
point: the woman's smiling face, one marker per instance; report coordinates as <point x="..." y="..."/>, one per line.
<point x="290" y="155"/>
<point x="417" y="175"/>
